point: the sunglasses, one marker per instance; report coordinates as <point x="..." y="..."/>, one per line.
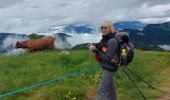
<point x="103" y="27"/>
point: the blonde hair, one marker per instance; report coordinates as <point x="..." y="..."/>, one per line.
<point x="108" y="24"/>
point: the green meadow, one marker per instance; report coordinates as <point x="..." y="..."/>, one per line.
<point x="26" y="69"/>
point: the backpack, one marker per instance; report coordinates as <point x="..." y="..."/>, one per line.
<point x="126" y="48"/>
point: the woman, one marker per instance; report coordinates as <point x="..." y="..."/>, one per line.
<point x="107" y="52"/>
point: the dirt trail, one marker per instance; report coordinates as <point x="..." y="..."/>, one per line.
<point x="166" y="95"/>
<point x="91" y="93"/>
<point x="165" y="86"/>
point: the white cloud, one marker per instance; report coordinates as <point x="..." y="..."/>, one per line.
<point x="155" y="20"/>
<point x="9" y="43"/>
<point x="76" y="39"/>
<point x="166" y="47"/>
<point x="40" y="15"/>
<point x="7" y="3"/>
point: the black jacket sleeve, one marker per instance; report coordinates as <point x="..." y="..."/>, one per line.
<point x="112" y="50"/>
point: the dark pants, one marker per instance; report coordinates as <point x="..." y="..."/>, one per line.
<point x="106" y="89"/>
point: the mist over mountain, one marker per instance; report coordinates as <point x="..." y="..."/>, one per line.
<point x="135" y="25"/>
<point x="8" y="42"/>
<point x="70" y="36"/>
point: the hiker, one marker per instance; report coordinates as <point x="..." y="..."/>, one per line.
<point x="106" y="52"/>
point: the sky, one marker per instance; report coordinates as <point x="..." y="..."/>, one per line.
<point x="25" y="16"/>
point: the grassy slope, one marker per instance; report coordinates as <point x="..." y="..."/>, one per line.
<point x="23" y="70"/>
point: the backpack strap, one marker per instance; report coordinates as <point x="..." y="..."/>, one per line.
<point x="118" y="51"/>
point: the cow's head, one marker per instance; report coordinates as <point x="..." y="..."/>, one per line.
<point x="19" y="45"/>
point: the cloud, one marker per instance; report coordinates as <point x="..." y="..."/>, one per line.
<point x="7" y="3"/>
<point x="76" y="39"/>
<point x="24" y="16"/>
<point x="155" y="20"/>
<point x="9" y="43"/>
<point x="166" y="47"/>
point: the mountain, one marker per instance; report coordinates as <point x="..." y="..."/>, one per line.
<point x="61" y="41"/>
<point x="78" y="28"/>
<point x="88" y="28"/>
<point x="136" y="25"/>
<point x="152" y="36"/>
<point x="80" y="46"/>
<point x="136" y="45"/>
<point x="8" y="41"/>
<point x="5" y="35"/>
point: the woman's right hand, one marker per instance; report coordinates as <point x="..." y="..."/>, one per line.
<point x="91" y="47"/>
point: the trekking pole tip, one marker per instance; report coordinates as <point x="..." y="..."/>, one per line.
<point x="152" y="87"/>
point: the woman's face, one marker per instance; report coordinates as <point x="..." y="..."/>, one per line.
<point x="105" y="29"/>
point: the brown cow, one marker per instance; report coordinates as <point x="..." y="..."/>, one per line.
<point x="36" y="44"/>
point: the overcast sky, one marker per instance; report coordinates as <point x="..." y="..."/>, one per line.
<point x="24" y="16"/>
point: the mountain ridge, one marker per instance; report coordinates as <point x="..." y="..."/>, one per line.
<point x="151" y="35"/>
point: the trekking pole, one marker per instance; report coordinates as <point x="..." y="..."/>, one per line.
<point x="139" y="77"/>
<point x="134" y="83"/>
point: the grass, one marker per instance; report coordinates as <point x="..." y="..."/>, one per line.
<point x="20" y="71"/>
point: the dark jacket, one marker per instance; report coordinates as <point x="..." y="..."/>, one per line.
<point x="111" y="43"/>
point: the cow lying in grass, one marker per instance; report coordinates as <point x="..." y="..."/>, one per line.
<point x="36" y="44"/>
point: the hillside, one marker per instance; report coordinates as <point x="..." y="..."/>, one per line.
<point x="152" y="34"/>
<point x="20" y="71"/>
